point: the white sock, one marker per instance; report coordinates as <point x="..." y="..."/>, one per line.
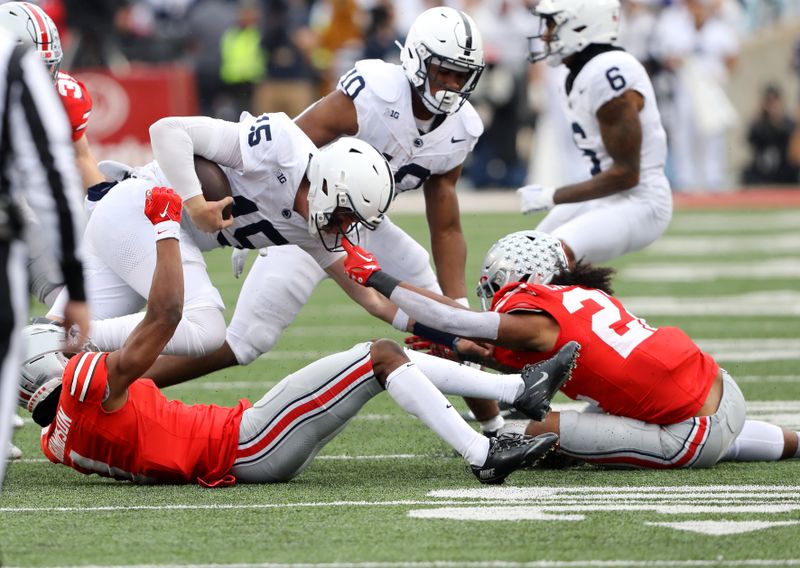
<point x="416" y="395"/>
<point x="463" y="380"/>
<point x="758" y="441"/>
<point x="201" y="331"/>
<point x="492" y="424"/>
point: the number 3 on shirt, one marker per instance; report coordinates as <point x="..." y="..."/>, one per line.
<point x="604" y="321"/>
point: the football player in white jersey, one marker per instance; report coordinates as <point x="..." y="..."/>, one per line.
<point x="418" y="116"/>
<point x="626" y="204"/>
<point x="285" y="191"/>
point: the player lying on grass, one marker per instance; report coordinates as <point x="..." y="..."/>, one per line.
<point x="102" y="417"/>
<point x="656" y="400"/>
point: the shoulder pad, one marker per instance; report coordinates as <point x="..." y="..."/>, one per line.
<point x="384" y="79"/>
<point x="472" y="122"/>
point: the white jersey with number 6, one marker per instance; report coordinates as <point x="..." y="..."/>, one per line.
<point x="599" y="230"/>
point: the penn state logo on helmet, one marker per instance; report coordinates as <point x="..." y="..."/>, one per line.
<point x="524" y="256"/>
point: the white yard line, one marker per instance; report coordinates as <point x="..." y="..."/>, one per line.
<point x="694" y="245"/>
<point x="618" y="563"/>
<point x="770" y="269"/>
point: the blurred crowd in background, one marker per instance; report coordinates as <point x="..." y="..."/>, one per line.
<point x="281" y="55"/>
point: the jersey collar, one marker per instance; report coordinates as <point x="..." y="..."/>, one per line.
<point x="579" y="60"/>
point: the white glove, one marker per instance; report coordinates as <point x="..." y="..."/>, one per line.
<point x="238" y="260"/>
<point x="536" y="198"/>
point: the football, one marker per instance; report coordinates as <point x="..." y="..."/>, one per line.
<point x="213" y="182"/>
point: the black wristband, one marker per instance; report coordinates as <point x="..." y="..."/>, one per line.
<point x="382" y="282"/>
<point x="440" y="337"/>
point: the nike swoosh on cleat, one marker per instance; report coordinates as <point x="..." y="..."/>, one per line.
<point x="545" y="376"/>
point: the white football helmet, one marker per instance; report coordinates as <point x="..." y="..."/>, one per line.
<point x="448" y="38"/>
<point x="578" y="23"/>
<point x="524" y="256"/>
<point x="43" y="364"/>
<point x="351" y="175"/>
<point x="34" y="28"/>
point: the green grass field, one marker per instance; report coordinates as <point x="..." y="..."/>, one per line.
<point x="388" y="493"/>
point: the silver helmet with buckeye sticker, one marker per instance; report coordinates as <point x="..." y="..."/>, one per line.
<point x="524" y="256"/>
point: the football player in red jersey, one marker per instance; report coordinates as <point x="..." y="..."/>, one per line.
<point x="33" y="27"/>
<point x="655" y="399"/>
<point x="102" y="417"/>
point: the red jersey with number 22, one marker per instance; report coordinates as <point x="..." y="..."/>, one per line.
<point x="149" y="440"/>
<point x="627" y="368"/>
<point x="76" y="101"/>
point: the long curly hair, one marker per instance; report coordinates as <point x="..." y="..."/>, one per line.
<point x="587" y="275"/>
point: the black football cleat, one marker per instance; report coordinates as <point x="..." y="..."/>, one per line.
<point x="510" y="452"/>
<point x="544" y="379"/>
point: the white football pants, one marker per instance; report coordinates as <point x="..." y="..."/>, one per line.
<point x="280" y="283"/>
<point x="602" y="229"/>
<point x="120" y="259"/>
<point x="617" y="441"/>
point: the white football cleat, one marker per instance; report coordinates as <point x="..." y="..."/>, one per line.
<point x="18" y="421"/>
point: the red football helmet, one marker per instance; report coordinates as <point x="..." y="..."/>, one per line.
<point x="33" y="27"/>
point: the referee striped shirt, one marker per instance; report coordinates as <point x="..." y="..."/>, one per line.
<point x="37" y="159"/>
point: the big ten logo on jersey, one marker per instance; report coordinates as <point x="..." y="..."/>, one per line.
<point x="281" y="177"/>
<point x="68" y="87"/>
<point x="259" y="131"/>
<point x="392" y="113"/>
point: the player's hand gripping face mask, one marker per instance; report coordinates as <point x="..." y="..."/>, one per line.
<point x="350" y="186"/>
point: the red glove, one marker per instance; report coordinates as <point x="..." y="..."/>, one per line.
<point x="359" y="264"/>
<point x="417" y="343"/>
<point x="162" y="204"/>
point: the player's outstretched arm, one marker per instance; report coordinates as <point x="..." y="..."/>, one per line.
<point x="175" y="141"/>
<point x="442" y="319"/>
<point x="164" y="304"/>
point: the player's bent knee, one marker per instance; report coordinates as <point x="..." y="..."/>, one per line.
<point x="386" y="356"/>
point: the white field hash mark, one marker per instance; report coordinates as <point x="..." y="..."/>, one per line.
<point x="571" y="503"/>
<point x="755" y="562"/>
